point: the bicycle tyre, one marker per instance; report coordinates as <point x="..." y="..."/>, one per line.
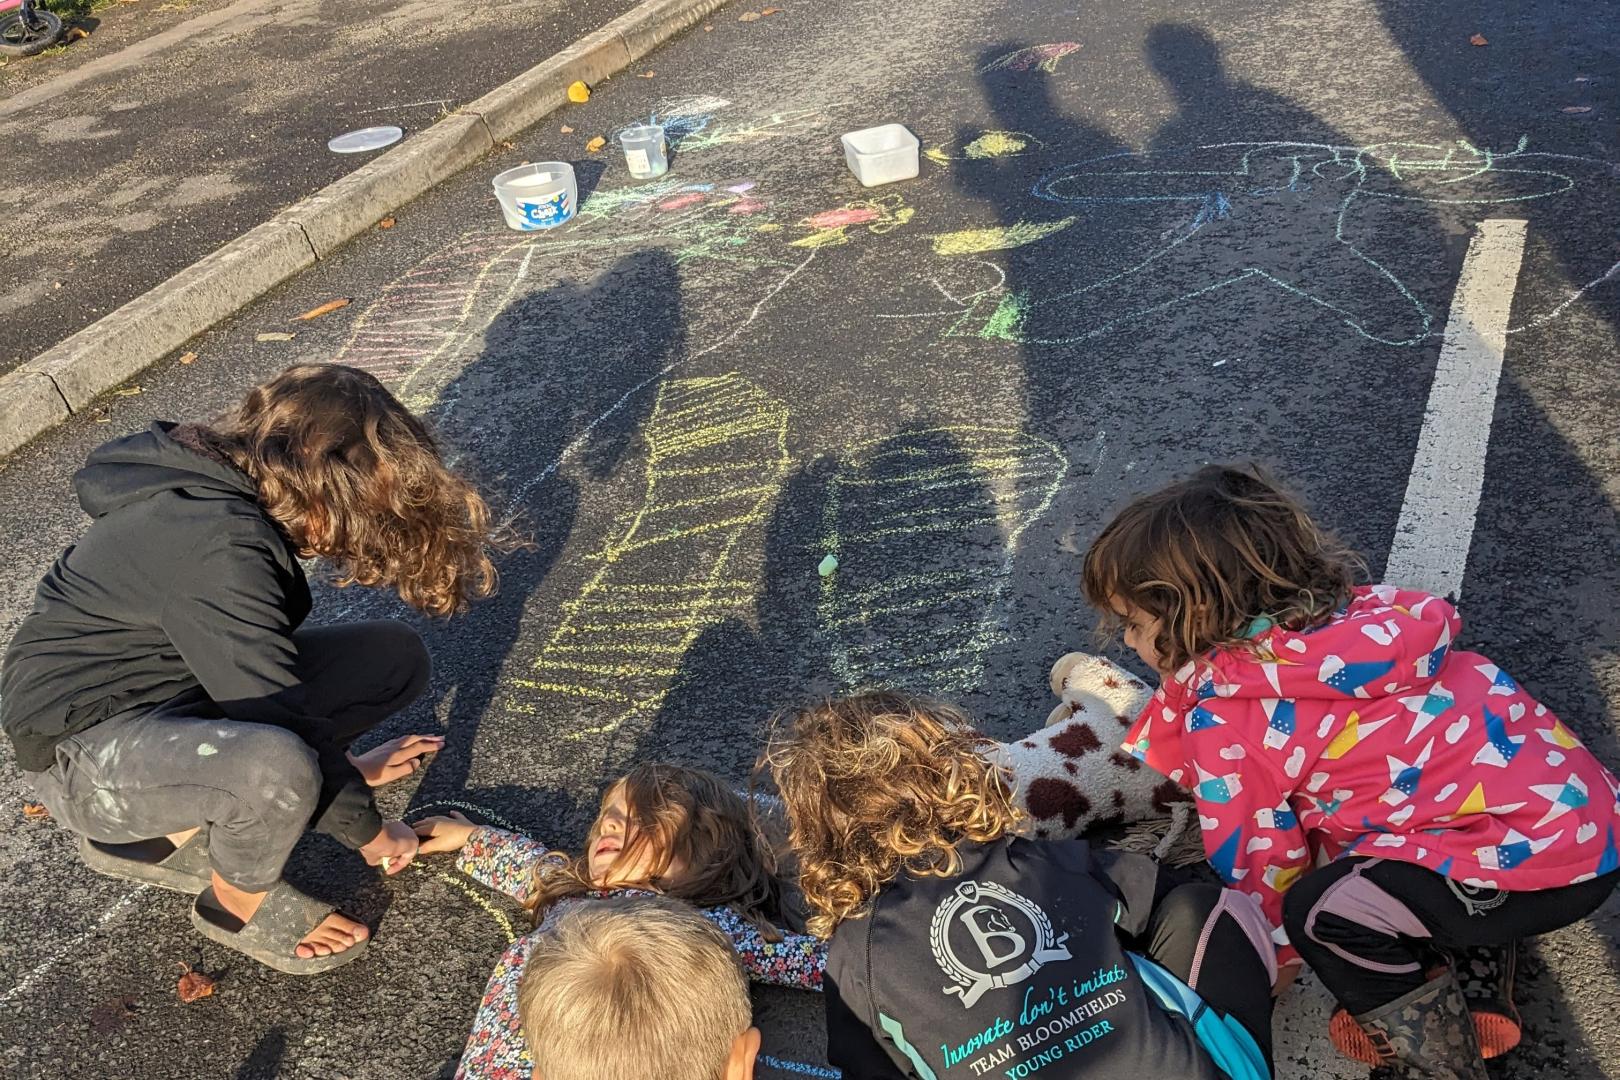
<point x="18" y="40"/>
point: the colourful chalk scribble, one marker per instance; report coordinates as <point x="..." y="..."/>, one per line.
<point x="925" y="527"/>
<point x="1035" y="57"/>
<point x="716" y="459"/>
<point x="830" y="228"/>
<point x="985" y="146"/>
<point x="997" y="237"/>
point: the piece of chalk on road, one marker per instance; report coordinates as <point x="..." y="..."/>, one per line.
<point x="385" y="861"/>
<point x="828" y="565"/>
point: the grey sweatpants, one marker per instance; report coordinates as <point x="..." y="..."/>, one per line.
<point x="256" y="787"/>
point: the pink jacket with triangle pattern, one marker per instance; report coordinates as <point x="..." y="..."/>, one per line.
<point x="1371" y="734"/>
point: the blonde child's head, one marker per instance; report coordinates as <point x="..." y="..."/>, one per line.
<point x="1190" y="567"/>
<point x="636" y="988"/>
<point x="682" y="832"/>
<point x="880" y="783"/>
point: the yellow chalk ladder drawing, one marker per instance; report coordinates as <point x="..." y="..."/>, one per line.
<point x="925" y="526"/>
<point x="717" y="457"/>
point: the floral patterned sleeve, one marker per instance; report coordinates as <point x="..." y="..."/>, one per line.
<point x="505" y="861"/>
<point x="798" y="960"/>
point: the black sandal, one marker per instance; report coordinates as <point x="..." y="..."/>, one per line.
<point x="157" y="862"/>
<point x="285" y="917"/>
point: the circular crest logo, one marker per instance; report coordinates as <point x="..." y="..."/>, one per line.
<point x="985" y="936"/>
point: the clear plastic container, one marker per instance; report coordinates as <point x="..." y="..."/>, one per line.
<point x="645" y="151"/>
<point x="881" y="155"/>
<point x="540" y="195"/>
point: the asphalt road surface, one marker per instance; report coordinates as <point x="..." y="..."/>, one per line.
<point x="1143" y="238"/>
<point x="177" y="126"/>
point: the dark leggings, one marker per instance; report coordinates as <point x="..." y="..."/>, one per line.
<point x="1369" y="928"/>
<point x="1199" y="937"/>
<point x="256" y="787"/>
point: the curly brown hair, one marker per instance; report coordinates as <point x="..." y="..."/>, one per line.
<point x="880" y="783"/>
<point x="350" y="475"/>
<point x="1208" y="555"/>
<point x="685" y="815"/>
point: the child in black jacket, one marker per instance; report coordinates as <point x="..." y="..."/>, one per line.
<point x="958" y="950"/>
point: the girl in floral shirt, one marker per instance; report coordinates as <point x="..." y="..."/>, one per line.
<point x="661" y="829"/>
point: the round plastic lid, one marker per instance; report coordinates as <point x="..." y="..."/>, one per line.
<point x="371" y="138"/>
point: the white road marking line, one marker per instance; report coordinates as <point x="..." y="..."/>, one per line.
<point x="1430" y="549"/>
<point x="44" y="967"/>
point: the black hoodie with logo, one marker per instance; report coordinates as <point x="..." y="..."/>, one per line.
<point x="1014" y="968"/>
<point x="180" y="582"/>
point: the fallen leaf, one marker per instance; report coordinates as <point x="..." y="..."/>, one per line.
<point x="188" y="358"/>
<point x="1478" y="39"/>
<point x="386" y="223"/>
<point x="646" y="74"/>
<point x="193" y="984"/>
<point x="748" y="16"/>
<point x="566" y="130"/>
<point x="325" y="309"/>
<point x="769" y="10"/>
<point x="1577" y="108"/>
<point x="112" y="1014"/>
<point x="274" y="337"/>
<point x="78" y="33"/>
<point x="596" y="144"/>
<point x="708" y="28"/>
<point x="35" y="811"/>
<point x="128" y="391"/>
<point x="508" y="144"/>
<point x="578" y="92"/>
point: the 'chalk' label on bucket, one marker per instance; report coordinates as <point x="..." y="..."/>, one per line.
<point x="546" y="213"/>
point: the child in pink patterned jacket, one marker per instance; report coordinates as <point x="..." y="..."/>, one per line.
<point x="662" y="829"/>
<point x="1389" y="798"/>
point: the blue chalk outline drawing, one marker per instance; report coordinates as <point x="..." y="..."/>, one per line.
<point x="1257" y="184"/>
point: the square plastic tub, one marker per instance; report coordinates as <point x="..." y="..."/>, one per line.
<point x="881" y="155"/>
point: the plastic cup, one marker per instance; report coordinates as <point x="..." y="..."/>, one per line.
<point x="645" y="151"/>
<point x="540" y="195"/>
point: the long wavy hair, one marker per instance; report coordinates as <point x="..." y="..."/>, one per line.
<point x="680" y="815"/>
<point x="1208" y="555"/>
<point x="351" y="476"/>
<point x="878" y="784"/>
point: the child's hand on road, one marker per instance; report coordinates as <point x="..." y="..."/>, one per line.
<point x="392" y="848"/>
<point x="396" y="758"/>
<point x="441" y="834"/>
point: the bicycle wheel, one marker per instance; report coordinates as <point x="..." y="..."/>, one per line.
<point x="19" y="38"/>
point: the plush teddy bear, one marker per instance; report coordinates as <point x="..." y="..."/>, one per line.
<point x="1072" y="776"/>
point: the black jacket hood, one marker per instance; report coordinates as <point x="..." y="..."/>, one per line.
<point x="139" y="466"/>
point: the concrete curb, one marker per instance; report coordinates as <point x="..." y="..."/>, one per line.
<point x="65" y="378"/>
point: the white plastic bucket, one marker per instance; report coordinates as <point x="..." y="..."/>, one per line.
<point x="881" y="155"/>
<point x="540" y="195"/>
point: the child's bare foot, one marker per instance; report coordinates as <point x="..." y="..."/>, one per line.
<point x="335" y="934"/>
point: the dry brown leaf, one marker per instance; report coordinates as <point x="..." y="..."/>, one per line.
<point x="1478" y="39"/>
<point x="188" y="358"/>
<point x="193" y="984"/>
<point x="748" y="16"/>
<point x="128" y="391"/>
<point x="596" y="144"/>
<point x="78" y="33"/>
<point x="646" y="74"/>
<point x="325" y="309"/>
<point x="508" y="144"/>
<point x="708" y="28"/>
<point x="35" y="811"/>
<point x="275" y="336"/>
<point x="1577" y="108"/>
<point x="386" y="223"/>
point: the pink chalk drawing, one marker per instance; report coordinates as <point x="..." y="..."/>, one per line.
<point x="1044" y="57"/>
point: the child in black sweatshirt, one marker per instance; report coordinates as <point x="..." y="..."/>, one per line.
<point x="958" y="950"/>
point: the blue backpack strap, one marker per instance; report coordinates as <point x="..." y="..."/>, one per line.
<point x="1227" y="1042"/>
